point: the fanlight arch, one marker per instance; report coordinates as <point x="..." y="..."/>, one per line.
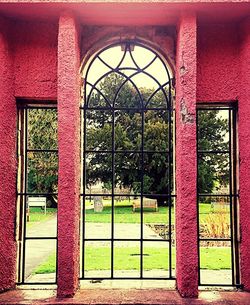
<point x="150" y="71"/>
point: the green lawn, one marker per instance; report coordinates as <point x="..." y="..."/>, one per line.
<point x="122" y="214"/>
<point x="37" y="215"/>
<point x="127" y="258"/>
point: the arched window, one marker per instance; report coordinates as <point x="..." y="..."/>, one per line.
<point x="127" y="175"/>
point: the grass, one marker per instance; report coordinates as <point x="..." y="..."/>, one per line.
<point x="127" y="258"/>
<point x="37" y="215"/>
<point x="122" y="214"/>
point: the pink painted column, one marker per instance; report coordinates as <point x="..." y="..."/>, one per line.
<point x="69" y="155"/>
<point x="186" y="206"/>
<point x="244" y="151"/>
<point x="7" y="164"/>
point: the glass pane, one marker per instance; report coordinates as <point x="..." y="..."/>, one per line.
<point x="128" y="95"/>
<point x="127" y="259"/>
<point x="215" y="262"/>
<point x="98" y="217"/>
<point x="157" y="99"/>
<point x="156" y="218"/>
<point x="214" y="216"/>
<point x="40" y="261"/>
<point x="42" y="128"/>
<point x="128" y="130"/>
<point x="213" y="173"/>
<point x="156" y="175"/>
<point x="97" y="259"/>
<point x="127" y="173"/>
<point x="41" y="216"/>
<point x="97" y="99"/>
<point x="156" y="259"/>
<point x="42" y="172"/>
<point x="213" y="130"/>
<point x="98" y="130"/>
<point x="98" y="173"/>
<point x="127" y="223"/>
<point x="156" y="137"/>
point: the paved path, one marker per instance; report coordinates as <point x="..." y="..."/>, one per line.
<point x="37" y="251"/>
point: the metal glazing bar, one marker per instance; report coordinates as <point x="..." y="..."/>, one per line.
<point x="113" y="192"/>
<point x="230" y="190"/>
<point x="128" y="278"/>
<point x="214" y="239"/>
<point x="199" y="152"/>
<point x="127" y="195"/>
<point x="25" y="189"/>
<point x="124" y="109"/>
<point x="127" y="151"/>
<point x="37" y="194"/>
<point x="142" y="191"/>
<point x="235" y="201"/>
<point x="43" y="150"/>
<point x="128" y="239"/>
<point x="41" y="238"/>
<point x="84" y="182"/>
<point x="170" y="191"/>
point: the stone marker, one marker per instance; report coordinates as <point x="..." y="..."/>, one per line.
<point x="98" y="205"/>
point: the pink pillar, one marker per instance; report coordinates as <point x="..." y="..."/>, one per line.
<point x="7" y="164"/>
<point x="186" y="206"/>
<point x="244" y="149"/>
<point x="69" y="155"/>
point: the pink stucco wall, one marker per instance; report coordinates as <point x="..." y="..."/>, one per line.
<point x="32" y="55"/>
<point x="217" y="63"/>
<point x="35" y="59"/>
<point x="7" y="163"/>
<point x="186" y="207"/>
<point x="244" y="152"/>
<point x="69" y="155"/>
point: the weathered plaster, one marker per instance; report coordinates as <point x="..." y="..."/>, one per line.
<point x="69" y="155"/>
<point x="186" y="207"/>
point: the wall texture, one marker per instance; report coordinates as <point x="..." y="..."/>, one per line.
<point x="35" y="59"/>
<point x="217" y="63"/>
<point x="7" y="163"/>
<point x="186" y="207"/>
<point x="69" y="156"/>
<point x="244" y="151"/>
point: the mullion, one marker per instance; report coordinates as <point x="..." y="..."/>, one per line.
<point x="169" y="192"/>
<point x="84" y="186"/>
<point x="235" y="201"/>
<point x="230" y="191"/>
<point x="142" y="191"/>
<point x="113" y="191"/>
<point x="25" y="190"/>
<point x="128" y="195"/>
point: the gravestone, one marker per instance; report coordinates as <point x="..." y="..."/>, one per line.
<point x="98" y="205"/>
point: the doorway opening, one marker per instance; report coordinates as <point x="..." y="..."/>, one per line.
<point x="127" y="194"/>
<point x="217" y="195"/>
<point x="37" y="155"/>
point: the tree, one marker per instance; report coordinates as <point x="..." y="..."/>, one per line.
<point x="213" y="169"/>
<point x="212" y="129"/>
<point x="128" y="137"/>
<point x="42" y="165"/>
